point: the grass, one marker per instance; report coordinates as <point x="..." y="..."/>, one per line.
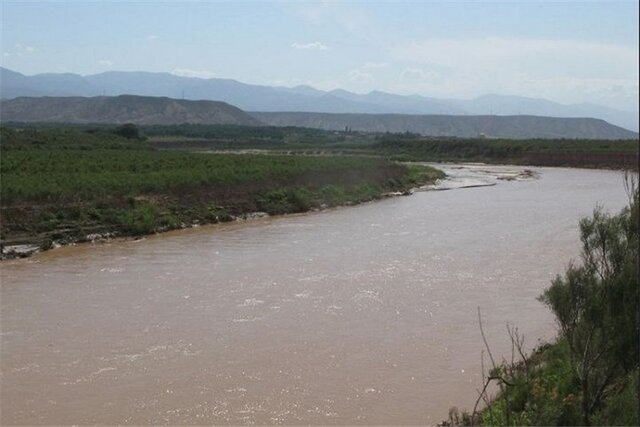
<point x="64" y="176"/>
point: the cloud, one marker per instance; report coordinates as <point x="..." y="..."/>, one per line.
<point x="105" y="63"/>
<point x="411" y="73"/>
<point x="351" y="17"/>
<point x="563" y="70"/>
<point x="365" y="74"/>
<point x="359" y="76"/>
<point x="20" y="50"/>
<point x="187" y="72"/>
<point x="527" y="56"/>
<point x="152" y="37"/>
<point x="310" y="46"/>
<point x="371" y="65"/>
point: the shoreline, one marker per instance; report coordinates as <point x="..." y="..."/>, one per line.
<point x="88" y="187"/>
<point x="27" y="250"/>
<point x="520" y="173"/>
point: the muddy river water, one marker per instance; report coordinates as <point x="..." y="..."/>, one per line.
<point x="359" y="315"/>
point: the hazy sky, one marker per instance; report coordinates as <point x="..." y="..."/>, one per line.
<point x="559" y="50"/>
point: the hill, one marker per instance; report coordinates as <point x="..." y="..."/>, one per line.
<point x="517" y="127"/>
<point x="142" y="110"/>
<point x="145" y="110"/>
<point x="252" y="97"/>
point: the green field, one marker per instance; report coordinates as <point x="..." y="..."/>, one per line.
<point x="62" y="184"/>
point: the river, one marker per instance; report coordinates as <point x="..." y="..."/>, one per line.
<point x="358" y="315"/>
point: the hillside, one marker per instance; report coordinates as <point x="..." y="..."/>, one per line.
<point x="516" y="127"/>
<point x="141" y="110"/>
<point x="251" y="97"/>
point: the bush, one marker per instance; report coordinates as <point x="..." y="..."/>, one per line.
<point x="596" y="303"/>
<point x="333" y="195"/>
<point x="128" y="130"/>
<point x="285" y="201"/>
<point x="139" y="220"/>
<point x="590" y="375"/>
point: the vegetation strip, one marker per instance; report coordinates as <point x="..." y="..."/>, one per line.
<point x="402" y="147"/>
<point x="67" y="185"/>
<point x="589" y="153"/>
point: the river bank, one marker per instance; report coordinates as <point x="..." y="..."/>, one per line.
<point x="28" y="247"/>
<point x="64" y="186"/>
<point x="421" y="177"/>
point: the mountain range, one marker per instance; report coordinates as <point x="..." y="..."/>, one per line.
<point x="149" y="110"/>
<point x="297" y="99"/>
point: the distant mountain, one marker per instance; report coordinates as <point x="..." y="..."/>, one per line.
<point x="147" y="110"/>
<point x="517" y="127"/>
<point x="299" y="98"/>
<point x="515" y="105"/>
<point x="142" y="110"/>
<point x="254" y="97"/>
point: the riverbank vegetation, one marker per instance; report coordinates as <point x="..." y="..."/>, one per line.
<point x="63" y="182"/>
<point x="61" y="185"/>
<point x="590" y="375"/>
<point x="402" y="147"/>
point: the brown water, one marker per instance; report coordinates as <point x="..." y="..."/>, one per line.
<point x="361" y="315"/>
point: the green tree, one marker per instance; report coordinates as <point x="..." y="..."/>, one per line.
<point x="128" y="130"/>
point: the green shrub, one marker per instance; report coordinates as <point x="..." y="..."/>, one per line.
<point x="333" y="195"/>
<point x="622" y="407"/>
<point x="139" y="220"/>
<point x="299" y="199"/>
<point x="127" y="130"/>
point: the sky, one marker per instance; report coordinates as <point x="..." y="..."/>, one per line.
<point x="565" y="51"/>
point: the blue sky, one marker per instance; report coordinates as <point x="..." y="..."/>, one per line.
<point x="561" y="50"/>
